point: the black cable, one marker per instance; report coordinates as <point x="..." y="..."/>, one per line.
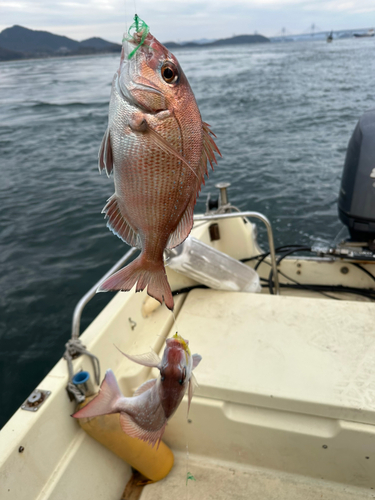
<point x="248" y="259"/>
<point x="303" y="286"/>
<point x="290" y="249"/>
<point x="289" y="252"/>
<point x="331" y="288"/>
<point x="299" y="286"/>
<point x="364" y="270"/>
<point x="368" y="293"/>
<point x="264" y="255"/>
<point x="188" y="289"/>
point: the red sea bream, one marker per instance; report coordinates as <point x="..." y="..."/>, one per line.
<point x="157" y="147"/>
<point x="145" y="415"/>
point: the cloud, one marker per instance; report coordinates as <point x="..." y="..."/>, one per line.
<point x="351" y="7"/>
<point x="184" y="19"/>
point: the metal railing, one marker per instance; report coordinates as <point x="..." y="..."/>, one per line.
<point x="266" y="222"/>
<point x="76" y="321"/>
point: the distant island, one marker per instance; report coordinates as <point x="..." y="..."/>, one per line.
<point x="18" y="42"/>
<point x="234" y="40"/>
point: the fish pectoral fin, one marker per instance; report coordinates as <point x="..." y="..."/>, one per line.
<point x="166" y="147"/>
<point x="105" y="154"/>
<point x="105" y="402"/>
<point x="196" y="360"/>
<point x="184" y="227"/>
<point x="150" y="359"/>
<point x="132" y="429"/>
<point x="145" y="387"/>
<point x="118" y="224"/>
<point x="193" y="384"/>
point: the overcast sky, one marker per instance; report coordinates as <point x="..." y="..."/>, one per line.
<point x="186" y="19"/>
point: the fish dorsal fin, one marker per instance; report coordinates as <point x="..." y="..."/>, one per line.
<point x="105" y="154"/>
<point x="132" y="429"/>
<point x="208" y="152"/>
<point x="193" y="384"/>
<point x="196" y="360"/>
<point x="150" y="359"/>
<point x="184" y="227"/>
<point x="118" y="224"/>
<point x="105" y="402"/>
<point x="209" y="146"/>
<point x="145" y="387"/>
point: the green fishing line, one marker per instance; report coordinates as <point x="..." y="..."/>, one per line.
<point x="189" y="476"/>
<point x="139" y="27"/>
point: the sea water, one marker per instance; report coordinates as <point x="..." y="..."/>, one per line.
<point x="283" y="115"/>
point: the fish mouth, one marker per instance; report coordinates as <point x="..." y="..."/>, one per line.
<point x="147" y="88"/>
<point x="184" y="343"/>
<point x="126" y="94"/>
<point x="126" y="84"/>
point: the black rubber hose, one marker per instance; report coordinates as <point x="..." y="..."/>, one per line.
<point x="289" y="252"/>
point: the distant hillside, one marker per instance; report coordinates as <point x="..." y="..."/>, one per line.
<point x="19" y="42"/>
<point x="235" y="40"/>
<point x="30" y="41"/>
<point x="240" y="39"/>
<point x="9" y="55"/>
<point x="100" y="44"/>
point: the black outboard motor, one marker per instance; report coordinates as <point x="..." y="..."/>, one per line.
<point x="357" y="192"/>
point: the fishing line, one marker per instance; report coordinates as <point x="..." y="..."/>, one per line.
<point x="187" y="461"/>
<point x="189" y="475"/>
<point x="139" y="28"/>
<point x="126" y="18"/>
<point x="175" y="321"/>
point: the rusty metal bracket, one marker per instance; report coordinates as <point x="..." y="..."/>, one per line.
<point x="35" y="400"/>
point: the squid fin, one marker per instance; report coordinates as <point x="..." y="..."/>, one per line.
<point x="105" y="154"/>
<point x="105" y="401"/>
<point x="134" y="430"/>
<point x="118" y="224"/>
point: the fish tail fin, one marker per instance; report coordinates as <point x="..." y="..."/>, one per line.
<point x="105" y="402"/>
<point x="146" y="274"/>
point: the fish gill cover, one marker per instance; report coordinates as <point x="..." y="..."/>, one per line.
<point x="137" y="33"/>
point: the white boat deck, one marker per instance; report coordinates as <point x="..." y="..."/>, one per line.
<point x="297" y="354"/>
<point x="285" y="407"/>
<point x="228" y="481"/>
<point x="286" y="384"/>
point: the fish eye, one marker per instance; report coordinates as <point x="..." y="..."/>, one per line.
<point x="162" y="376"/>
<point x="169" y="72"/>
<point x="183" y="376"/>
